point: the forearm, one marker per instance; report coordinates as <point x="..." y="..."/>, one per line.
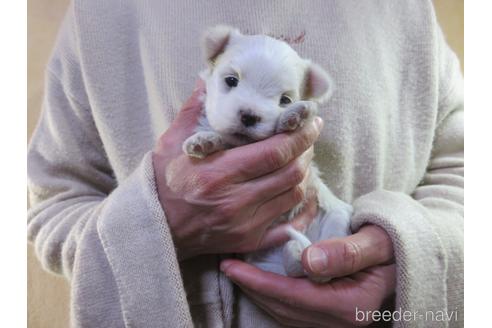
<point x="118" y="244"/>
<point x="93" y="229"/>
<point x="426" y="227"/>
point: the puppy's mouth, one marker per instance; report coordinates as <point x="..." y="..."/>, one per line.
<point x="243" y="138"/>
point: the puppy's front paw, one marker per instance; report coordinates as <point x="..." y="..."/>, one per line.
<point x="292" y="253"/>
<point x="202" y="144"/>
<point x="296" y="115"/>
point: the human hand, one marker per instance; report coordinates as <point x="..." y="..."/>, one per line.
<point x="367" y="281"/>
<point x="227" y="201"/>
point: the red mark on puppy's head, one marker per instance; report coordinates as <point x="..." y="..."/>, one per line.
<point x="296" y="39"/>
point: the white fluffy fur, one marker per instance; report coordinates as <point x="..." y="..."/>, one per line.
<point x="266" y="69"/>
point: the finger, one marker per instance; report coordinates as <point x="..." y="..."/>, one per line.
<point x="282" y="313"/>
<point x="187" y="119"/>
<point x="382" y="276"/>
<point x="368" y="288"/>
<point x="257" y="159"/>
<point x="277" y="182"/>
<point x="291" y="314"/>
<point x="276" y="310"/>
<point x="340" y="257"/>
<point x="277" y="235"/>
<point x="303" y="292"/>
<point x="196" y="98"/>
<point x="302" y="220"/>
<point x="271" y="210"/>
<point x="185" y="122"/>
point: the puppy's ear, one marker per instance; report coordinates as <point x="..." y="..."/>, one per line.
<point x="215" y="40"/>
<point x="318" y="85"/>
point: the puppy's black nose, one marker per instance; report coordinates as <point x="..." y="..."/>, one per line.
<point x="249" y="119"/>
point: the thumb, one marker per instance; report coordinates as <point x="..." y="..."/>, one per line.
<point x="340" y="257"/>
<point x="187" y="118"/>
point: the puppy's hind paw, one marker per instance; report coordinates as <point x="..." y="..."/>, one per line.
<point x="202" y="144"/>
<point x="296" y="115"/>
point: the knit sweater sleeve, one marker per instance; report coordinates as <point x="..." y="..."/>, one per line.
<point x="109" y="238"/>
<point x="426" y="226"/>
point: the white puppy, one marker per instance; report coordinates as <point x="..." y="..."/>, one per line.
<point x="257" y="86"/>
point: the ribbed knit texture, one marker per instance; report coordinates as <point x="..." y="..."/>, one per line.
<point x="392" y="146"/>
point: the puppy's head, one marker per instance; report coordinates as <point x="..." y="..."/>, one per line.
<point x="251" y="80"/>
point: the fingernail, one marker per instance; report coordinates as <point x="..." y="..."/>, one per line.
<point x="319" y="122"/>
<point x="317" y="259"/>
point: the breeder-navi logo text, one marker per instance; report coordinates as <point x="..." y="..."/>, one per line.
<point x="401" y="315"/>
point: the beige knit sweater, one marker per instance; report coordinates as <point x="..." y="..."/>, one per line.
<point x="392" y="146"/>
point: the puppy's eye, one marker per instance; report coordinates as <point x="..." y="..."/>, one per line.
<point x="285" y="100"/>
<point x="231" y="81"/>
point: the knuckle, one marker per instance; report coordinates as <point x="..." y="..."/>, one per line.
<point x="243" y="230"/>
<point x="352" y="255"/>
<point x="276" y="157"/>
<point x="207" y="183"/>
<point x="305" y="139"/>
<point x="296" y="174"/>
<point x="227" y="213"/>
<point x="203" y="183"/>
<point x="297" y="194"/>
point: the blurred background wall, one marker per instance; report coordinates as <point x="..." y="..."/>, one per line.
<point x="48" y="295"/>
